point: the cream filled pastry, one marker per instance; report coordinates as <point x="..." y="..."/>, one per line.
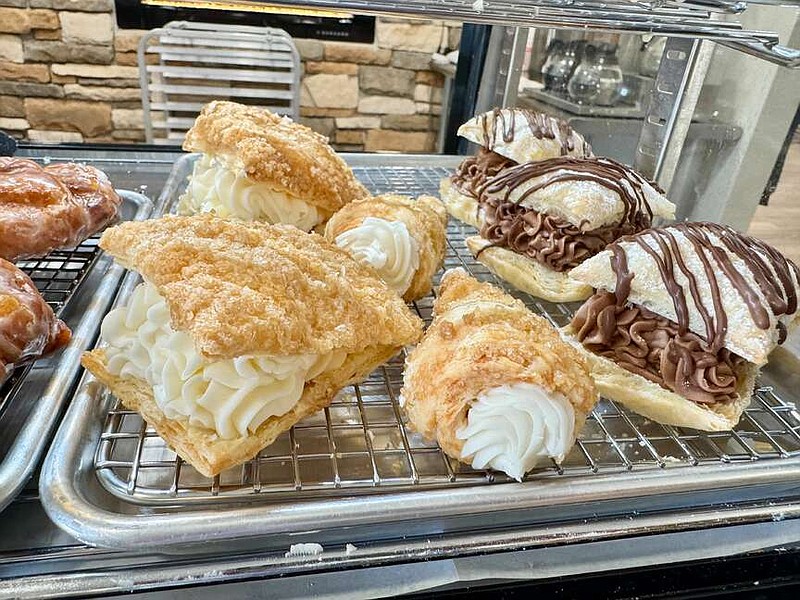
<point x="239" y="331"/>
<point x="402" y="239"/>
<point x="232" y="396"/>
<point x="537" y="221"/>
<point x="386" y="246"/>
<point x="214" y="188"/>
<point x="507" y="137"/>
<point x="682" y="318"/>
<point x="524" y="135"/>
<point x="493" y="383"/>
<point x="261" y="166"/>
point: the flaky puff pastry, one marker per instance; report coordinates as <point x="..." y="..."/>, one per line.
<point x="527" y="274"/>
<point x="482" y="338"/>
<point x="242" y="288"/>
<point x="425" y="219"/>
<point x="275" y="150"/>
<point x="239" y="287"/>
<point x="459" y="205"/>
<point x="662" y="405"/>
<point x="202" y="447"/>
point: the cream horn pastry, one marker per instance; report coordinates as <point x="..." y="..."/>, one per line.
<point x="239" y="330"/>
<point x="540" y="220"/>
<point x="682" y="318"/>
<point x="401" y="238"/>
<point x="493" y="383"/>
<point x="28" y="327"/>
<point x="507" y="137"/>
<point x="258" y="166"/>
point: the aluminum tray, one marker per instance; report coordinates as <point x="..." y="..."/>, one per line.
<point x="79" y="284"/>
<point x="110" y="481"/>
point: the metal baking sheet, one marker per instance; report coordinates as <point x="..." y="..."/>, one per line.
<point x="79" y="284"/>
<point x="111" y="481"/>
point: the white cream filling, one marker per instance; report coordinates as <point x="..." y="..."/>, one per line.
<point x="386" y="246"/>
<point x="232" y="397"/>
<point x="213" y="188"/>
<point x="513" y="428"/>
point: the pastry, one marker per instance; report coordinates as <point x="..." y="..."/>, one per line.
<point x="52" y="207"/>
<point x="258" y="166"/>
<point x="507" y="137"/>
<point x="239" y="330"/>
<point x="28" y="327"/>
<point x="540" y="220"/>
<point x="682" y="318"/>
<point x="525" y="135"/>
<point x="401" y="238"/>
<point x="493" y="383"/>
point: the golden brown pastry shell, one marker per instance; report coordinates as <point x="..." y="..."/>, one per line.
<point x="483" y="338"/>
<point x="241" y="287"/>
<point x="426" y="220"/>
<point x="275" y="150"/>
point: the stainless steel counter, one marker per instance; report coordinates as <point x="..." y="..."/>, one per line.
<point x="38" y="560"/>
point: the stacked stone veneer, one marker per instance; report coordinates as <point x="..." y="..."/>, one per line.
<point x="67" y="74"/>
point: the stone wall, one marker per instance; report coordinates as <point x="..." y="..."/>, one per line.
<point x="67" y="74"/>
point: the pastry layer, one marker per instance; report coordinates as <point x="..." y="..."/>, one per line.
<point x="659" y="404"/>
<point x="275" y="150"/>
<point x="524" y="135"/>
<point x="402" y="238"/>
<point x="461" y="206"/>
<point x="202" y="447"/>
<point x="733" y="290"/>
<point x="239" y="287"/>
<point x="231" y="396"/>
<point x="213" y="188"/>
<point x="527" y="274"/>
<point x="481" y="342"/>
<point x="588" y="193"/>
<point x="651" y="346"/>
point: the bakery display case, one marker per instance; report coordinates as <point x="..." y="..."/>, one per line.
<point x="351" y="501"/>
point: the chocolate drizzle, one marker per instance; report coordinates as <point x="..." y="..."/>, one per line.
<point x="772" y="272"/>
<point x="699" y="367"/>
<point x="551" y="240"/>
<point x="474" y="171"/>
<point x="542" y="126"/>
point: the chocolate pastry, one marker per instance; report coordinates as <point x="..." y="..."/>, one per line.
<point x="682" y="318"/>
<point x="539" y="220"/>
<point x="507" y="137"/>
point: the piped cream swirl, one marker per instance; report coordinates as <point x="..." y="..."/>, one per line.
<point x="513" y="428"/>
<point x="232" y="397"/>
<point x="386" y="246"/>
<point x="213" y="188"/>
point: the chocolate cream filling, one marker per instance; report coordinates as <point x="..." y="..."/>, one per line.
<point x="475" y="171"/>
<point x="550" y="240"/>
<point x="649" y="345"/>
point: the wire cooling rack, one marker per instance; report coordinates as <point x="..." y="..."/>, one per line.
<point x="57" y="276"/>
<point x="360" y="444"/>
